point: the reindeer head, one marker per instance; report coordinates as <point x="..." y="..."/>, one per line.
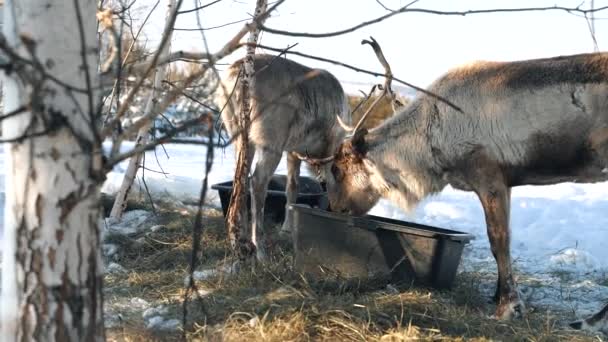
<point x="349" y="175"/>
<point x="349" y="182"/>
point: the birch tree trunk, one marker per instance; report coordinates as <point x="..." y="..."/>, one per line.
<point x="236" y="217"/>
<point x="142" y="136"/>
<point x="52" y="270"/>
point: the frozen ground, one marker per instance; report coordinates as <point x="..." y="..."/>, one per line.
<point x="558" y="232"/>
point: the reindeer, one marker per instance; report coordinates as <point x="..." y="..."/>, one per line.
<point x="489" y="127"/>
<point x="294" y="109"/>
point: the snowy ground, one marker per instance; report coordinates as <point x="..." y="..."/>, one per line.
<point x="558" y="232"/>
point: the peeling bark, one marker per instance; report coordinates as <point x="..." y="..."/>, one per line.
<point x="236" y="217"/>
<point x="52" y="276"/>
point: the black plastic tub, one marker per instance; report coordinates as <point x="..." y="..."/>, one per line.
<point x="310" y="193"/>
<point x="327" y="243"/>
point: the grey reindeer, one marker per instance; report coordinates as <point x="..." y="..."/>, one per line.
<point x="531" y="122"/>
<point x="293" y="109"/>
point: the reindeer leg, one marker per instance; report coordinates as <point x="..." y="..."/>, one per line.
<point x="293" y="175"/>
<point x="495" y="199"/>
<point x="496" y="297"/>
<point x="593" y="323"/>
<point x="266" y="165"/>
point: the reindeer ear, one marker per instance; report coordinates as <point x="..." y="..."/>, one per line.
<point x="358" y="142"/>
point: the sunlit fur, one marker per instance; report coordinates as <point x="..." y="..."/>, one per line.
<point x="544" y="121"/>
<point x="532" y="122"/>
<point x="289" y="113"/>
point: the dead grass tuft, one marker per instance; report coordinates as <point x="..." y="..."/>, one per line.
<point x="275" y="303"/>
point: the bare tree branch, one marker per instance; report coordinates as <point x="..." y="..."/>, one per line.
<point x="392" y="10"/>
<point x="110" y="163"/>
<point x="199" y="7"/>
<point x="212" y="58"/>
<point x="192" y="98"/>
<point x="153" y="63"/>
<point x="212" y="27"/>
<point x="228" y="48"/>
<point x="364" y="71"/>
<point x="366" y="97"/>
<point x="405" y="9"/>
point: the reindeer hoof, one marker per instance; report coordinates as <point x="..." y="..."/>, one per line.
<point x="507" y="311"/>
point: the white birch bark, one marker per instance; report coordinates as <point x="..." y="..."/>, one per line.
<point x="236" y="217"/>
<point x="52" y="276"/>
<point x="142" y="135"/>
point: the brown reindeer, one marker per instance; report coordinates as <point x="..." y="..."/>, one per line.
<point x="540" y="121"/>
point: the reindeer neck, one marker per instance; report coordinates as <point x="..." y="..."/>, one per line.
<point x="400" y="137"/>
<point x="401" y="153"/>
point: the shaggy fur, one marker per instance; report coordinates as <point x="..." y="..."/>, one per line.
<point x="540" y="121"/>
<point x="293" y="109"/>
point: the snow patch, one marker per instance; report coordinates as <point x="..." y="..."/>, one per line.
<point x="114" y="268"/>
<point x="131" y="222"/>
<point x="155" y="311"/>
<point x="208" y="273"/>
<point x="154" y="319"/>
<point x="157" y="228"/>
<point x="159" y="323"/>
<point x="254" y="321"/>
<point x="139" y="303"/>
<point x="574" y="260"/>
<point x="109" y="250"/>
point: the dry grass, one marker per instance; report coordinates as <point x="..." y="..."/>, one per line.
<point x="275" y="303"/>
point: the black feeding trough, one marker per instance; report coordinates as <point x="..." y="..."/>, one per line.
<point x="310" y="193"/>
<point x="375" y="247"/>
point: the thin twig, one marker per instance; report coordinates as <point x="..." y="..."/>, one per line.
<point x="199" y="7"/>
<point x="212" y="58"/>
<point x="143" y="180"/>
<point x="228" y="48"/>
<point x="145" y="147"/>
<point x="116" y="88"/>
<point x="158" y="161"/>
<point x="165" y="37"/>
<point x="392" y="10"/>
<point x="191" y="98"/>
<point x="212" y="27"/>
<point x="197" y="229"/>
<point x="15" y="112"/>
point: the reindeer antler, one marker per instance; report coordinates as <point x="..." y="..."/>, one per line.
<point x="386" y="89"/>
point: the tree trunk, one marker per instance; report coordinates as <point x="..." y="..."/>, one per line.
<point x="142" y="136"/>
<point x="236" y="217"/>
<point x="52" y="269"/>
